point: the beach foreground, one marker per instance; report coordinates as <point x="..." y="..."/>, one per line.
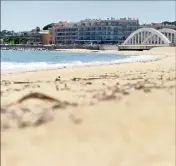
<point x="111" y="115"/>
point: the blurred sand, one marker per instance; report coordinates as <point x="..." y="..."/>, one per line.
<point x="125" y="115"/>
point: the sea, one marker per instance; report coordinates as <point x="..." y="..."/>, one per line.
<point x="17" y="61"/>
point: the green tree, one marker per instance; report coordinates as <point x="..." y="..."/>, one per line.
<point x="37" y="29"/>
<point x="47" y="26"/>
<point x="12" y="42"/>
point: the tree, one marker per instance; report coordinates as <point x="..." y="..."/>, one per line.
<point x="47" y="26"/>
<point x="12" y="42"/>
<point x="1" y="41"/>
<point x="16" y="39"/>
<point x="37" y="29"/>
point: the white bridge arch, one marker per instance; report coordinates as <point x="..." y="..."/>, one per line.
<point x="149" y="36"/>
<point x="169" y="33"/>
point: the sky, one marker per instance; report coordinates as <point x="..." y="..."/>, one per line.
<point x="26" y="15"/>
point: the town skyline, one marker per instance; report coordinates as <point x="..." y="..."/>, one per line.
<point x="25" y="20"/>
<point x="41" y="28"/>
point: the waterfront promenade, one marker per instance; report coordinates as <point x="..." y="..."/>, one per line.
<point x="48" y="47"/>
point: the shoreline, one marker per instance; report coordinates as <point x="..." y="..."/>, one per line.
<point x="144" y="52"/>
<point x="85" y="65"/>
<point x="90" y="64"/>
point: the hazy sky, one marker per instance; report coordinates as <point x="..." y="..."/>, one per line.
<point x="26" y="15"/>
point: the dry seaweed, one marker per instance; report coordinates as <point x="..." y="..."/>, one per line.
<point x="22" y="116"/>
<point x="35" y="95"/>
<point x="21" y="82"/>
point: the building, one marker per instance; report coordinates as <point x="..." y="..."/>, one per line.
<point x="63" y="33"/>
<point x="106" y="31"/>
<point x="54" y="30"/>
<point x="44" y="37"/>
<point x="158" y="26"/>
<point x="7" y="33"/>
<point x="93" y="31"/>
<point x="67" y="34"/>
<point x="34" y="36"/>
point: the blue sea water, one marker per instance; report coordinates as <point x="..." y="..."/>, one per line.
<point x="12" y="61"/>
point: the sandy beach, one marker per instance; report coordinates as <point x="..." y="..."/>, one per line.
<point x="109" y="115"/>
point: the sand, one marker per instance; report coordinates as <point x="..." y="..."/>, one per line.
<point x="111" y="115"/>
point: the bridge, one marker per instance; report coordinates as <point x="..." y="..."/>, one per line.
<point x="147" y="38"/>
